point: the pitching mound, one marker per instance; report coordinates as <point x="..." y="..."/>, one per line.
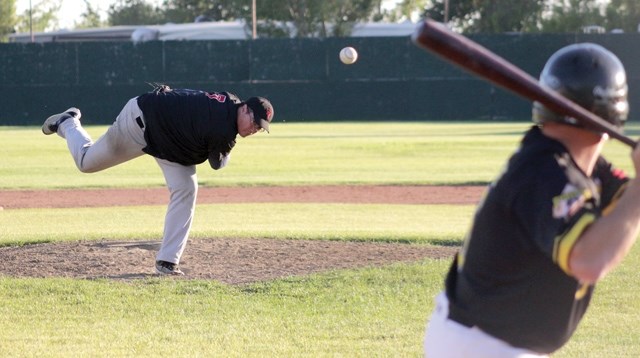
<point x="232" y="261"/>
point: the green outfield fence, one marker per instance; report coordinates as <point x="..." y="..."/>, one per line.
<point x="392" y="79"/>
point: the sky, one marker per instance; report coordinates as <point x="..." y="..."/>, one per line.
<point x="71" y="10"/>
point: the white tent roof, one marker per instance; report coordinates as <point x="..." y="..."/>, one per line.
<point x="190" y="31"/>
<point x="383" y="29"/>
<point x="221" y="30"/>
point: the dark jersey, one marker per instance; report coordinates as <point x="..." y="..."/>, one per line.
<point x="511" y="278"/>
<point x="189" y="126"/>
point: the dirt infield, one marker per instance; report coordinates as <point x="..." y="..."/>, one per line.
<point x="72" y="198"/>
<point x="228" y="260"/>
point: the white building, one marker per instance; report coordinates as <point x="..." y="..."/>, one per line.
<point x="223" y="30"/>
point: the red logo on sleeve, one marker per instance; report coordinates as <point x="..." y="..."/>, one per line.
<point x="619" y="173"/>
<point x="217" y="96"/>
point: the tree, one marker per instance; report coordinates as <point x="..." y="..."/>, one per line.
<point x="277" y="18"/>
<point x="183" y="11"/>
<point x="310" y="18"/>
<point x="8" y="19"/>
<point x="345" y="14"/>
<point x="406" y="10"/>
<point x="508" y="16"/>
<point x="133" y="12"/>
<point x="623" y="14"/>
<point x="489" y="16"/>
<point x="90" y="18"/>
<point x="459" y="13"/>
<point x="572" y="16"/>
<point x="43" y="17"/>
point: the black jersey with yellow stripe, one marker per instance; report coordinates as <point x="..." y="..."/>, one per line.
<point x="511" y="278"/>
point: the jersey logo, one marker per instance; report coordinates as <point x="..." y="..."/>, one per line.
<point x="619" y="174"/>
<point x="569" y="202"/>
<point x="217" y="96"/>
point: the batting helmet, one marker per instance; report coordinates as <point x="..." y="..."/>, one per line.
<point x="589" y="75"/>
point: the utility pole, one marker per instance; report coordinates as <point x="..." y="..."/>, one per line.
<point x="446" y="11"/>
<point x="31" y="22"/>
<point x="254" y="19"/>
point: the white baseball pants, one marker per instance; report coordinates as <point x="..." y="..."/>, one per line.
<point x="445" y="338"/>
<point x="122" y="142"/>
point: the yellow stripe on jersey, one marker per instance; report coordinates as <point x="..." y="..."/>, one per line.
<point x="608" y="209"/>
<point x="582" y="291"/>
<point x="460" y="260"/>
<point x="614" y="201"/>
<point x="564" y="243"/>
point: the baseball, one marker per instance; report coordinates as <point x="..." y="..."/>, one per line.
<point x="348" y="55"/>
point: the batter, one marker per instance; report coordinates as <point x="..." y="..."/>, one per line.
<point x="556" y="221"/>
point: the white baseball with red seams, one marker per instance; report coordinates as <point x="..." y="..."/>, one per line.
<point x="348" y="55"/>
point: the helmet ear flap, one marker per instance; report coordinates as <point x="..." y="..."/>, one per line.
<point x="589" y="75"/>
<point x="542" y="114"/>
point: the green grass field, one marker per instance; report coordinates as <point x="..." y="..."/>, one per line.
<point x="347" y="313"/>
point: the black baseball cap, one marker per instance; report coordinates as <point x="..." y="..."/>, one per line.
<point x="262" y="111"/>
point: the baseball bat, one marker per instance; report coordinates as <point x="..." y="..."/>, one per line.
<point x="471" y="56"/>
